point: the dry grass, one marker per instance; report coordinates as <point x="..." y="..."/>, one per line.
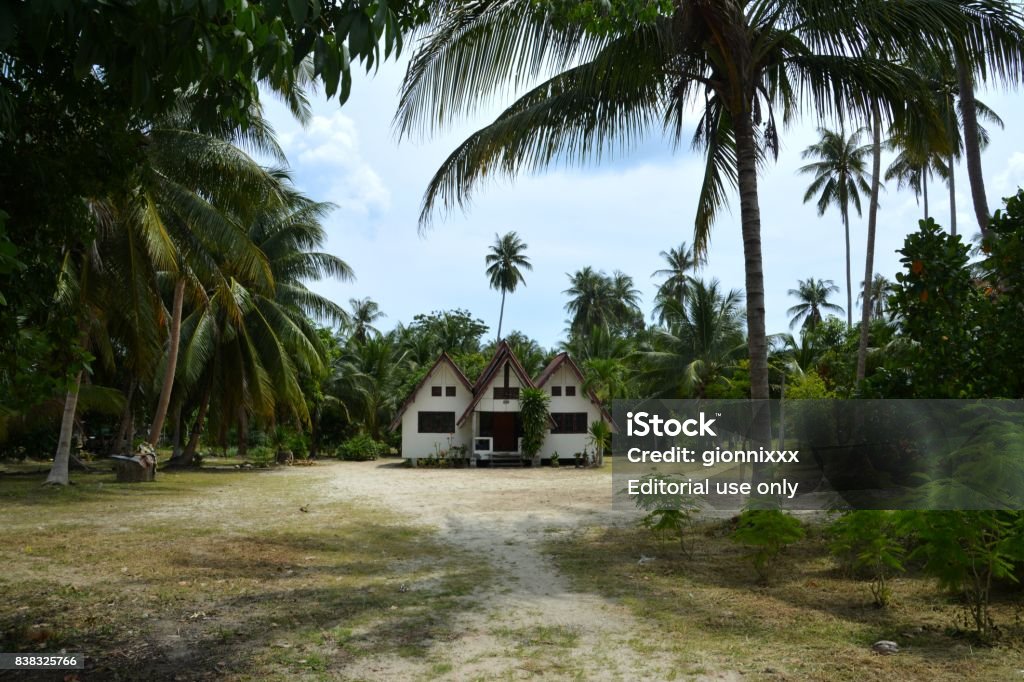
<point x="220" y="575"/>
<point x="809" y="623"/>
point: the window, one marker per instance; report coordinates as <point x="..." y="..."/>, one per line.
<point x="570" y="391"/>
<point x="449" y="391"/>
<point x="507" y="393"/>
<point x="569" y="422"/>
<point x="436" y="422"/>
<point x="556" y="391"/>
<point x="435" y="391"/>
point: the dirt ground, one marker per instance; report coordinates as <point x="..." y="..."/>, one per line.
<point x="527" y="620"/>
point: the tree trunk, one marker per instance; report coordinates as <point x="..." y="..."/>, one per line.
<point x="869" y="266"/>
<point x="924" y="186"/>
<point x="952" y="198"/>
<point x="125" y="432"/>
<point x="176" y="440"/>
<point x="757" y="340"/>
<point x="972" y="143"/>
<point x="501" y="315"/>
<point x="243" y="432"/>
<point x="849" y="276"/>
<point x="59" y="469"/>
<point x="172" y="363"/>
<point x="189" y="453"/>
<point x="314" y="432"/>
<point x="952" y="124"/>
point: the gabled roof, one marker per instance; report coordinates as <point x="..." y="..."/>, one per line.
<point x="443" y="358"/>
<point x="563" y="358"/>
<point x="502" y="354"/>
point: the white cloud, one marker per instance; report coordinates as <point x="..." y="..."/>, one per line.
<point x="1012" y="177"/>
<point x="329" y="160"/>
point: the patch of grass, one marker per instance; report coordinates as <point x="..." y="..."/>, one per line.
<point x="811" y="623"/>
<point x="219" y="575"/>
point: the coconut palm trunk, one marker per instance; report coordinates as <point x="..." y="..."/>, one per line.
<point x="750" y="211"/>
<point x="849" y="276"/>
<point x="59" y="469"/>
<point x="172" y="362"/>
<point x="972" y="143"/>
<point x="952" y="170"/>
<point x="924" y="191"/>
<point x="501" y="315"/>
<point x="869" y="267"/>
<point x="189" y="453"/>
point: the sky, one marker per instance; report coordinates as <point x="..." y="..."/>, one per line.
<point x="616" y="215"/>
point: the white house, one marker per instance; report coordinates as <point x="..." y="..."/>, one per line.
<point x="445" y="410"/>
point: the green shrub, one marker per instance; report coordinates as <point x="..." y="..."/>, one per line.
<point x="767" y="532"/>
<point x="866" y="542"/>
<point x="967" y="552"/>
<point x="362" y="448"/>
<point x="261" y="456"/>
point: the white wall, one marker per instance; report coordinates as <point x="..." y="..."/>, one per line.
<point x="416" y="445"/>
<point x="488" y="402"/>
<point x="568" y="444"/>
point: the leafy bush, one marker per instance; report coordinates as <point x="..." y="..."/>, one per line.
<point x="967" y="552"/>
<point x="362" y="448"/>
<point x="668" y="516"/>
<point x="768" y="532"/>
<point x="262" y="456"/>
<point x="867" y="542"/>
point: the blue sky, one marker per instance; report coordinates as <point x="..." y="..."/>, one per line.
<point x="614" y="216"/>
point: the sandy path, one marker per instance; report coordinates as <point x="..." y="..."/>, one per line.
<point x="503" y="516"/>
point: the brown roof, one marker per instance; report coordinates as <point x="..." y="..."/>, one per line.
<point x="444" y="357"/>
<point x="502" y="353"/>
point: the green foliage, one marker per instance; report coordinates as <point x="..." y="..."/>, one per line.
<point x="362" y="448"/>
<point x="603" y="17"/>
<point x="533" y="411"/>
<point x="554" y="459"/>
<point x="261" y="456"/>
<point x="670" y="524"/>
<point x="453" y="331"/>
<point x="867" y="541"/>
<point x="768" y="532"/>
<point x="967" y="552"/>
<point x="808" y="386"/>
<point x="600" y="433"/>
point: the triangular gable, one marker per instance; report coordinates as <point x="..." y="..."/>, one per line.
<point x="565" y="359"/>
<point x="443" y="358"/>
<point x="501" y="354"/>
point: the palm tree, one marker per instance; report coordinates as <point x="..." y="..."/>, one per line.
<point x="840" y="175"/>
<point x="197" y="192"/>
<point x="703" y="339"/>
<point x="743" y="62"/>
<point x="505" y="264"/>
<point x="880" y="289"/>
<point x="591" y="301"/>
<point x="681" y="263"/>
<point x="365" y="312"/>
<point x="912" y="168"/>
<point x="813" y="296"/>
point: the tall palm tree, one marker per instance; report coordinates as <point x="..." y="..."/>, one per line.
<point x="813" y="296"/>
<point x="505" y="265"/>
<point x="840" y="175"/>
<point x="365" y="312"/>
<point x="913" y="166"/>
<point x="199" y="189"/>
<point x="681" y="263"/>
<point x="627" y="300"/>
<point x="748" y="64"/>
